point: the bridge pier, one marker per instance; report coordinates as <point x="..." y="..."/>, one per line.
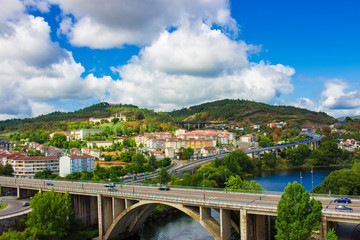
<point x="85" y="208"/>
<point x="253" y="226"/>
<point x="225" y="224"/>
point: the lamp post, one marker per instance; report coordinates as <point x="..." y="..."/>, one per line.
<point x="204" y="185"/>
<point x="301" y="178"/>
<point x="226" y="181"/>
<point x="312" y="178"/>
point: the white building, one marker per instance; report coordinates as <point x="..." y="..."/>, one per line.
<point x="81" y="134"/>
<point x="76" y="163"/>
<point x="180" y="132"/>
<point x="92" y="144"/>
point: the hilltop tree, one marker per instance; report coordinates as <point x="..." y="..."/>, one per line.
<point x="115" y="120"/>
<point x="58" y="140"/>
<point x="297" y="215"/>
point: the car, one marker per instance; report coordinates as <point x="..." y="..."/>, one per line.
<point x="49" y="184"/>
<point x="26" y="204"/>
<point x="112" y="189"/>
<point x="343" y="208"/>
<point x="342" y="200"/>
<point x="164" y="188"/>
<point x="110" y="185"/>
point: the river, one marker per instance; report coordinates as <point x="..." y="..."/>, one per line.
<point x="183" y="227"/>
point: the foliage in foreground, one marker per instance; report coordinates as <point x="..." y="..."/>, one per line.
<point x="297" y="215"/>
<point x="51" y="217"/>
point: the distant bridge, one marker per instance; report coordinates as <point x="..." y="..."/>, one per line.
<point x="120" y="214"/>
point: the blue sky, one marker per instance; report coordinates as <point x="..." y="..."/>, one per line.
<point x="68" y="54"/>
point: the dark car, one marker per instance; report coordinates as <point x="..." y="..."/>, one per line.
<point x="49" y="184"/>
<point x="112" y="189"/>
<point x="164" y="188"/>
<point x="342" y="200"/>
<point x="343" y="208"/>
<point x="26" y="204"/>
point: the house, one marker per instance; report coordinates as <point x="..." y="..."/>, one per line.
<point x="75" y="151"/>
<point x="85" y="150"/>
<point x="158" y="154"/>
<point x="5" y="145"/>
<point x="75" y="163"/>
<point x="249" y="140"/>
<point x="96" y="153"/>
<point x="55" y="152"/>
<point x="208" y="151"/>
<point x="180" y="132"/>
<point x="169" y="152"/>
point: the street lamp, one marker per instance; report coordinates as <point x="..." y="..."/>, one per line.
<point x="301" y="178"/>
<point x="312" y="178"/>
<point x="204" y="185"/>
<point x="226" y="181"/>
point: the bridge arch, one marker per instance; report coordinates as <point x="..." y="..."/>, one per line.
<point x="133" y="217"/>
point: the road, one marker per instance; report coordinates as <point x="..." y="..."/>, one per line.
<point x="13" y="205"/>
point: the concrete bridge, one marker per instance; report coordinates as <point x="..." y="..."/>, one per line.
<point x="120" y="214"/>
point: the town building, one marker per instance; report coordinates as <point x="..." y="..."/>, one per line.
<point x="5" y="145"/>
<point x="121" y="118"/>
<point x="27" y="167"/>
<point x="76" y="163"/>
<point x="92" y="144"/>
<point x="82" y="133"/>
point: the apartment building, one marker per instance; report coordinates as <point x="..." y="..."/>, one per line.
<point x="27" y="167"/>
<point x="76" y="163"/>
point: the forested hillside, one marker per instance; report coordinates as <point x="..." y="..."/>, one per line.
<point x="100" y="110"/>
<point x="254" y="112"/>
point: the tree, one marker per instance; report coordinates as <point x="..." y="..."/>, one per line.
<point x="115" y="120"/>
<point x="343" y="182"/>
<point x="139" y="115"/>
<point x="47" y="173"/>
<point x="8" y="170"/>
<point x="164" y="177"/>
<point x="270" y="159"/>
<point x="235" y="182"/>
<point x="297" y="215"/>
<point x="51" y="216"/>
<point x="152" y="160"/>
<point x="58" y="140"/>
<point x="331" y="235"/>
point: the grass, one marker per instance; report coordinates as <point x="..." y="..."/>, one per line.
<point x="2" y="206"/>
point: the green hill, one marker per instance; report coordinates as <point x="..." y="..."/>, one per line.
<point x="234" y="111"/>
<point x="100" y="110"/>
<point x="249" y="111"/>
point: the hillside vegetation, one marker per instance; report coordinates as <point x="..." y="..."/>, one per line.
<point x="101" y="110"/>
<point x="251" y="112"/>
<point x="233" y="111"/>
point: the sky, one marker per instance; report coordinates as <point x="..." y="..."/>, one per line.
<point x="63" y="55"/>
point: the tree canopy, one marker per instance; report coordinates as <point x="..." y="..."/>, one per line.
<point x="297" y="215"/>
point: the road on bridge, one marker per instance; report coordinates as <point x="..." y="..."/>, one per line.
<point x="264" y="199"/>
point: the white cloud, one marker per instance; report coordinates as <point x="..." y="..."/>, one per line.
<point x="113" y="23"/>
<point x="335" y="96"/>
<point x="195" y="64"/>
<point x="33" y="69"/>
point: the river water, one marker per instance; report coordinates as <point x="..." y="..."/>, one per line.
<point x="183" y="227"/>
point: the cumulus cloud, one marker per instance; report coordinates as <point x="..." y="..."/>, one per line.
<point x="195" y="64"/>
<point x="335" y="96"/>
<point x="33" y="69"/>
<point x="113" y="23"/>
